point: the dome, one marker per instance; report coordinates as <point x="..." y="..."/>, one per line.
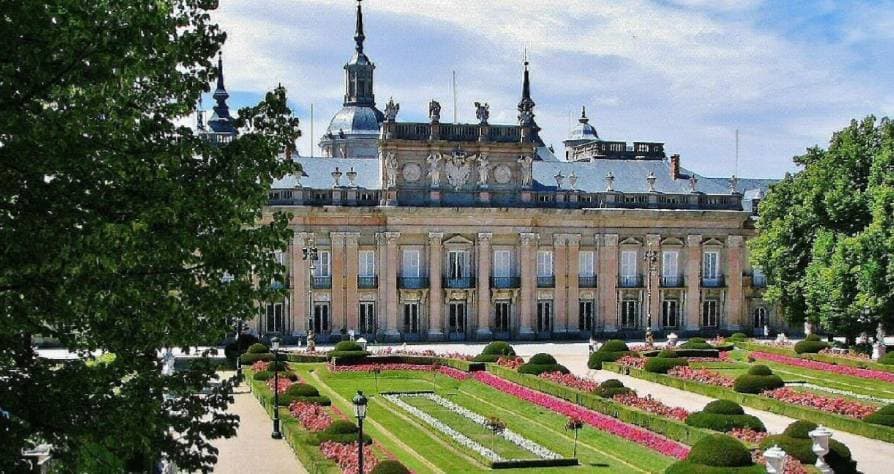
<point x="583" y="130"/>
<point x="356" y="120"/>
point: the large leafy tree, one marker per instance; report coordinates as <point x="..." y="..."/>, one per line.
<point x="117" y="227"/>
<point x="825" y="233"/>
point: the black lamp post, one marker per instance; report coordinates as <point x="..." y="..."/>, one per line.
<point x="310" y="253"/>
<point x="274" y="346"/>
<point x="238" y="353"/>
<point x="360" y="403"/>
<point x="651" y="258"/>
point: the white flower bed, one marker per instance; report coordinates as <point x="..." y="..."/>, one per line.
<point x="836" y="391"/>
<point x="507" y="434"/>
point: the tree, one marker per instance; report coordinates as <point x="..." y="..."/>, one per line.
<point x="825" y="234"/>
<point x="117" y="228"/>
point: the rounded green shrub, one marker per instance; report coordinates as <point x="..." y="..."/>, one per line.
<point x="888" y="359"/>
<point x="796" y="442"/>
<point x="812" y="337"/>
<point x="668" y="354"/>
<point x="486" y="358"/>
<point x="724" y="423"/>
<point x="499" y="348"/>
<point x="340" y="431"/>
<point x="542" y="358"/>
<point x="238" y="347"/>
<point x="302" y="390"/>
<point x="612" y="387"/>
<point x="810" y="347"/>
<point x="250" y="358"/>
<point x="258" y="348"/>
<point x="661" y="365"/>
<point x="390" y="467"/>
<point x="697" y="339"/>
<point x="279" y="366"/>
<point x="720" y="451"/>
<point x="537" y="369"/>
<point x="341" y="427"/>
<point x="883" y="416"/>
<point x="724" y="407"/>
<point x="800" y="429"/>
<point x="612" y="383"/>
<point x="760" y="370"/>
<point x="738" y="336"/>
<point x="694" y="344"/>
<point x="262" y="375"/>
<point x="686" y="467"/>
<point x="597" y="358"/>
<point x="755" y="384"/>
<point x="344" y="346"/>
<point x="614" y="345"/>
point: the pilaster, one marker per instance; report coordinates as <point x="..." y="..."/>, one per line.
<point x="560" y="273"/>
<point x="735" y="294"/>
<point x="653" y="241"/>
<point x="608" y="282"/>
<point x="484" y="259"/>
<point x="573" y="257"/>
<point x="382" y="273"/>
<point x="392" y="263"/>
<point x="693" y="281"/>
<point x="528" y="290"/>
<point x="299" y="309"/>
<point x="352" y="265"/>
<point x="436" y="295"/>
<point x="339" y="316"/>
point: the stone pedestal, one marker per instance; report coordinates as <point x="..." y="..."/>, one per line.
<point x="878" y="351"/>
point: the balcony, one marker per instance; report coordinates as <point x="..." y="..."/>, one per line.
<point x="505" y="282"/>
<point x="716" y="281"/>
<point x="322" y="282"/>
<point x="586" y="281"/>
<point x="630" y="281"/>
<point x="462" y="282"/>
<point x="675" y="281"/>
<point x="546" y="281"/>
<point x="412" y="283"/>
<point x="367" y="282"/>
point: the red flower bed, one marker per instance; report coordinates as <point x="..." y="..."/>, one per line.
<point x="443" y="369"/>
<point x="839" y="406"/>
<point x="284" y="384"/>
<point x="312" y="417"/>
<point x="260" y="366"/>
<point x="598" y="420"/>
<point x="651" y="405"/>
<point x="426" y="353"/>
<point x="825" y="367"/>
<point x="748" y="435"/>
<point x="572" y="381"/>
<point x="632" y="361"/>
<point x="346" y="456"/>
<point x="510" y="362"/>
<point x="701" y="375"/>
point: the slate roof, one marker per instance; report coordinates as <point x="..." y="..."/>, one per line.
<point x="356" y="120"/>
<point x="318" y="171"/>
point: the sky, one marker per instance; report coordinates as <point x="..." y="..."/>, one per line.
<point x="687" y="73"/>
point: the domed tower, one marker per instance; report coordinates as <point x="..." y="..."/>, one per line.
<point x="354" y="130"/>
<point x="582" y="133"/>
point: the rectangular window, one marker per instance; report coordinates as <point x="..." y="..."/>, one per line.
<point x="367" y="261"/>
<point x="457" y="264"/>
<point x="502" y="263"/>
<point x="711" y="313"/>
<point x="544" y="263"/>
<point x="585" y="318"/>
<point x="411" y="264"/>
<point x="456" y="317"/>
<point x="411" y="318"/>
<point x="629" y="314"/>
<point x="669" y="263"/>
<point x="586" y="263"/>
<point x="367" y="317"/>
<point x="501" y="310"/>
<point x="670" y="311"/>
<point x="275" y="317"/>
<point x="321" y="317"/>
<point x="323" y="265"/>
<point x="711" y="265"/>
<point x="628" y="264"/>
<point x="544" y="315"/>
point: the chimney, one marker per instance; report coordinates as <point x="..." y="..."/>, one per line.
<point x="675" y="166"/>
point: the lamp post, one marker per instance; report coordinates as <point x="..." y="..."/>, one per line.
<point x="775" y="457"/>
<point x="651" y="258"/>
<point x="360" y="403"/>
<point x="309" y="253"/>
<point x="820" y="437"/>
<point x="274" y="346"/>
<point x="227" y="279"/>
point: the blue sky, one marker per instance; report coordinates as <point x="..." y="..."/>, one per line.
<point x="684" y="72"/>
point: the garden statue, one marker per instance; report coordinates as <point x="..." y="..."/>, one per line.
<point x="879" y="349"/>
<point x="311" y="342"/>
<point x="672" y="340"/>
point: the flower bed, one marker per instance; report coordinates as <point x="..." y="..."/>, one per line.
<point x="443" y="369"/>
<point x="572" y="381"/>
<point x="748" y="435"/>
<point x="346" y="456"/>
<point x="312" y="417"/>
<point x="632" y="361"/>
<point x="425" y="353"/>
<point x="702" y="376"/>
<point x="852" y="355"/>
<point x="822" y="366"/>
<point x="283" y="384"/>
<point x="651" y="405"/>
<point x="602" y="422"/>
<point x="839" y="406"/>
<point x="260" y="366"/>
<point x="510" y="362"/>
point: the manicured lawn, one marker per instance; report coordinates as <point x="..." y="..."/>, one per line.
<point x="420" y="448"/>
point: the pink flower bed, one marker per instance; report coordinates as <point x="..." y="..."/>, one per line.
<point x="260" y="366"/>
<point x="284" y="384"/>
<point x="651" y="405"/>
<point x="312" y="417"/>
<point x="443" y="369"/>
<point x="347" y="457"/>
<point x="825" y="367"/>
<point x="599" y="421"/>
<point x="512" y="362"/>
<point x="572" y="381"/>
<point x="748" y="435"/>
<point x="839" y="406"/>
<point x="426" y="353"/>
<point x="853" y="355"/>
<point x="701" y="375"/>
<point x="631" y="361"/>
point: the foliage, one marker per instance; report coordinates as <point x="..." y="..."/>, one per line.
<point x="541" y="363"/>
<point x="888" y="359"/>
<point x="499" y="348"/>
<point x="812" y="337"/>
<point x="542" y="358"/>
<point x="258" y="348"/>
<point x="345" y="346"/>
<point x="795" y="441"/>
<point x="238" y="347"/>
<point x="759" y="369"/>
<point x="262" y="375"/>
<point x="249" y="358"/>
<point x="724" y="407"/>
<point x="487" y="358"/>
<point x="884" y="416"/>
<point x="810" y="347"/>
<point x="341" y="431"/>
<point x="661" y="365"/>
<point x="748" y="383"/>
<point x="390" y="467"/>
<point x="826" y="234"/>
<point x="738" y="336"/>
<point x="725" y="415"/>
<point x="597" y="358"/>
<point x="690" y="344"/>
<point x="614" y="345"/>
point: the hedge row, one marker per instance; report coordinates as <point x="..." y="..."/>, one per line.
<point x="757" y="347"/>
<point x="520" y="463"/>
<point x="851" y="425"/>
<point x="670" y="428"/>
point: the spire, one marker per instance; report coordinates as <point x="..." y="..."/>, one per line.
<point x="526" y="106"/>
<point x="358" y="34"/>
<point x="583" y="115"/>
<point x="221" y="121"/>
<point x="220" y="94"/>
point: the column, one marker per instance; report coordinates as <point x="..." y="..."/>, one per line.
<point x="298" y="307"/>
<point x="527" y="305"/>
<point x="693" y="281"/>
<point x="392" y="263"/>
<point x="653" y="241"/>
<point x="608" y="282"/>
<point x="436" y="295"/>
<point x="735" y="295"/>
<point x="573" y="259"/>
<point x="483" y="276"/>
<point x="382" y="309"/>
<point x="339" y="316"/>
<point x="352" y="265"/>
<point x="560" y="272"/>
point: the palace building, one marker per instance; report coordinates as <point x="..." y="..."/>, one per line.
<point x="477" y="231"/>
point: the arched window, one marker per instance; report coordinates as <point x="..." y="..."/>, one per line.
<point x="760" y="317"/>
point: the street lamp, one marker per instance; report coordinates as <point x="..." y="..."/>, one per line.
<point x="820" y="437"/>
<point x="274" y="347"/>
<point x="310" y="253"/>
<point x="651" y="258"/>
<point x="360" y="403"/>
<point x="227" y="278"/>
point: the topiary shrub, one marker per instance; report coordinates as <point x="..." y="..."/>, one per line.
<point x="486" y="358"/>
<point x="390" y="467"/>
<point x="760" y="369"/>
<point x="302" y="392"/>
<point x="499" y="348"/>
<point x="696" y="343"/>
<point x="537" y="369"/>
<point x="258" y="348"/>
<point x="614" y="345"/>
<point x="757" y="383"/>
<point x="660" y="365"/>
<point x="612" y="387"/>
<point x="542" y="358"/>
<point x="796" y="442"/>
<point x="810" y="347"/>
<point x="812" y="337"/>
<point x="248" y="358"/>
<point x="597" y="358"/>
<point x="888" y="359"/>
<point x="723" y="416"/>
<point x="340" y="431"/>
<point x="738" y="336"/>
<point x="262" y="375"/>
<point x="344" y="346"/>
<point x="717" y="454"/>
<point x="668" y="354"/>
<point x="884" y="416"/>
<point x="348" y="357"/>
